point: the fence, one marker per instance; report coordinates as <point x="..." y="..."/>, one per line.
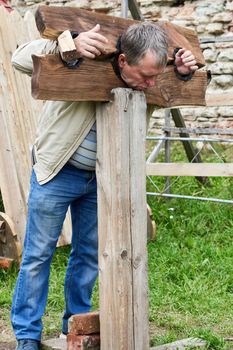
<point x="18" y="115"/>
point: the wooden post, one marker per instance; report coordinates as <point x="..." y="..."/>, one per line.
<point x="121" y="131"/>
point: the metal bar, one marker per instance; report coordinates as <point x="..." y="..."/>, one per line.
<point x="155" y="138"/>
<point x="199" y="131"/>
<point x="155" y="151"/>
<point x="190" y="197"/>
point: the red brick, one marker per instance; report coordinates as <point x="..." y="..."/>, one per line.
<point x="5" y="263"/>
<point x="87" y="323"/>
<point x="83" y="342"/>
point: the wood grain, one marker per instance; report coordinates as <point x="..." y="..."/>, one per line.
<point x="52" y="21"/>
<point x="122" y="221"/>
<point x="94" y="80"/>
<point x="18" y="118"/>
<point x="190" y="169"/>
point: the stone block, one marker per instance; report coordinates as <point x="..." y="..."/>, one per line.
<point x="215" y="28"/>
<point x="229" y="6"/>
<point x="187" y="12"/>
<point x="209" y="8"/>
<point x="204" y="19"/>
<point x="225" y="112"/>
<point x="224" y="81"/>
<point x="221" y="68"/>
<point x="54" y="344"/>
<point x="180" y="22"/>
<point x="84" y="4"/>
<point x="223" y="45"/>
<point x="210" y="55"/>
<point x="83" y="342"/>
<point x="200" y="29"/>
<point x="226" y="55"/>
<point x="223" y="17"/>
<point x="211" y="46"/>
<point x="230" y="27"/>
<point x="101" y="6"/>
<point x="87" y="323"/>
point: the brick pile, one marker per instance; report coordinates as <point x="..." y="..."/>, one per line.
<point x="84" y="332"/>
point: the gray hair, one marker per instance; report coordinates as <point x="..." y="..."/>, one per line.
<point x="140" y="38"/>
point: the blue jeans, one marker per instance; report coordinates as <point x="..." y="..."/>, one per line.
<point x="47" y="207"/>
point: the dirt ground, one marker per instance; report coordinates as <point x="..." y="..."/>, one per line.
<point x="7" y="341"/>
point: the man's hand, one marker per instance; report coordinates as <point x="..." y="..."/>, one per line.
<point x="90" y="44"/>
<point x="185" y="62"/>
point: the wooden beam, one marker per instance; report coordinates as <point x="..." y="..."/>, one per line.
<point x="135" y="10"/>
<point x="190" y="151"/>
<point x="190" y="169"/>
<point x="121" y="128"/>
<point x="50" y="77"/>
<point x="67" y="47"/>
<point x="52" y="21"/>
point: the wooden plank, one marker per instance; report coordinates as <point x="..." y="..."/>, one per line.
<point x="10" y="247"/>
<point x="52" y="21"/>
<point x="122" y="222"/>
<point x="190" y="169"/>
<point x="18" y="117"/>
<point x="135" y="10"/>
<point x="49" y="82"/>
<point x="67" y="47"/>
<point x="13" y="177"/>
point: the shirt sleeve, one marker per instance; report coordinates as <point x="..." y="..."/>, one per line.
<point x="22" y="57"/>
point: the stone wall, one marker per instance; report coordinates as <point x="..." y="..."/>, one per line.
<point x="213" y="22"/>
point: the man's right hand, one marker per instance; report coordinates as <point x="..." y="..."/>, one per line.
<point x="91" y="43"/>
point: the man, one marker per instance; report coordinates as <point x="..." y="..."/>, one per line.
<point x="64" y="175"/>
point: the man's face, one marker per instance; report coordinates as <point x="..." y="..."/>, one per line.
<point x="142" y="75"/>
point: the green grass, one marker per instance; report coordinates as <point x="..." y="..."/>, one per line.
<point x="190" y="270"/>
<point x="190" y="267"/>
<point x="190" y="263"/>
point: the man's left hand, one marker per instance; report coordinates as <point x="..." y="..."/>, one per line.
<point x="185" y="62"/>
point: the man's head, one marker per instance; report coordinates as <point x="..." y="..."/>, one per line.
<point x="144" y="55"/>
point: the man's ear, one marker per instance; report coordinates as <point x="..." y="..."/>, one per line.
<point x="122" y="60"/>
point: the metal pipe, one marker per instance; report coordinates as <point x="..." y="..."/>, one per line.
<point x="155" y="152"/>
<point x="155" y="138"/>
<point x="190" y="197"/>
